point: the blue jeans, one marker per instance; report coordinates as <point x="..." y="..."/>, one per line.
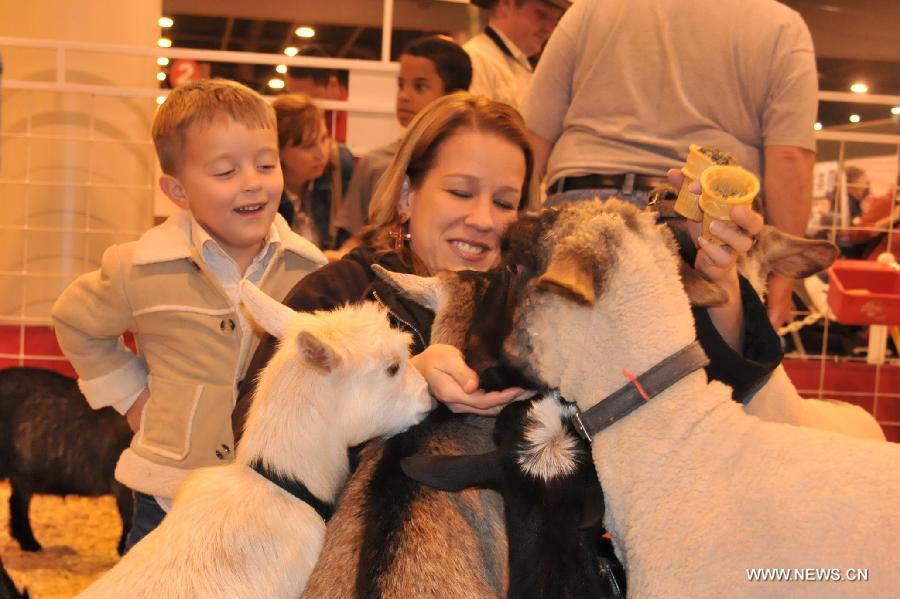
<point x="147" y="516"/>
<point x="639" y="197"/>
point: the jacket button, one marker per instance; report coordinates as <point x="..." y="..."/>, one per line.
<point x="227" y="324"/>
<point x="223" y="451"/>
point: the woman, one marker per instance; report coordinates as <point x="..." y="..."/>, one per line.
<point x="462" y="174"/>
<point x="316" y="171"/>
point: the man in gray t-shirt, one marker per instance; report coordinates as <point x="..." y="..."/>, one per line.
<point x="624" y="86"/>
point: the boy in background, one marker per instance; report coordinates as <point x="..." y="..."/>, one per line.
<point x="430" y="67"/>
<point x="176" y="290"/>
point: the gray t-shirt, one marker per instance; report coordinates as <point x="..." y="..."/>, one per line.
<point x="625" y="85"/>
<point x="354" y="212"/>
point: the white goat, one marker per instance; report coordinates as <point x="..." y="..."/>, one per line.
<point x="232" y="532"/>
<point x="697" y="492"/>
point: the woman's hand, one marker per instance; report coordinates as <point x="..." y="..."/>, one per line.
<point x="718" y="263"/>
<point x="453" y="383"/>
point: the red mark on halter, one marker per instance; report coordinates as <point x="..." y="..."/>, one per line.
<point x="637" y="384"/>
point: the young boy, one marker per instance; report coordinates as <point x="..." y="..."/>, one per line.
<point x="430" y="67"/>
<point x="176" y="290"/>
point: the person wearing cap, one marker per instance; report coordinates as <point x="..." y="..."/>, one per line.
<point x="515" y="34"/>
<point x="624" y="86"/>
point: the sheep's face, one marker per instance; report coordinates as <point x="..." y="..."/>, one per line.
<point x="348" y="360"/>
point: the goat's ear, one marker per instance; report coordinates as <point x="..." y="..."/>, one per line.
<point x="570" y="274"/>
<point x="316" y="353"/>
<point x="454" y="473"/>
<point x="794" y="257"/>
<point x="701" y="292"/>
<point x="269" y="313"/>
<point x="425" y="291"/>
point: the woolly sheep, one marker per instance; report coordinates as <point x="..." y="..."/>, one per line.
<point x="697" y="492"/>
<point x="233" y="533"/>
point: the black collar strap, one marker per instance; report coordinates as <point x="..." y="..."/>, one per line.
<point x="297" y="489"/>
<point x="495" y="37"/>
<point x="637" y="392"/>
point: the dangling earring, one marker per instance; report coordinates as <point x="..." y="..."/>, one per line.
<point x="399" y="236"/>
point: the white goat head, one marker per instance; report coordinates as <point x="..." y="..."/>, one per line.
<point x="348" y="362"/>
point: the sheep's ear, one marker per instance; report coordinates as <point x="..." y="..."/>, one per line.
<point x="701" y="292"/>
<point x="425" y="291"/>
<point x="794" y="257"/>
<point x="570" y="274"/>
<point x="317" y="353"/>
<point x="454" y="473"/>
<point x="270" y="314"/>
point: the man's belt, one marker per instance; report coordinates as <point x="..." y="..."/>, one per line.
<point x="625" y="182"/>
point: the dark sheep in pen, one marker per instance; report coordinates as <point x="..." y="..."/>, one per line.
<point x="51" y="441"/>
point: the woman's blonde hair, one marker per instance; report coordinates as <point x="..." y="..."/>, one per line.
<point x="415" y="157"/>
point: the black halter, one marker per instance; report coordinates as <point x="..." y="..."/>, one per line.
<point x="297" y="489"/>
<point x="639" y="390"/>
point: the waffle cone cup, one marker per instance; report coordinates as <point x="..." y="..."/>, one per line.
<point x="724" y="188"/>
<point x="698" y="160"/>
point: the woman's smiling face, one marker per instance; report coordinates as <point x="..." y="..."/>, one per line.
<point x="465" y="202"/>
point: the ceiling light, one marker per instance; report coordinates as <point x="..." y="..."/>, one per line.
<point x="282" y="68"/>
<point x="895" y="110"/>
<point x="164" y="42"/>
<point x="166" y="22"/>
<point x="162" y="61"/>
<point x="859" y="88"/>
<point x="276" y="83"/>
<point x="291" y="51"/>
<point x="817" y="126"/>
<point x="854" y="118"/>
<point x="160" y="99"/>
<point x="160" y="76"/>
<point x="305" y="32"/>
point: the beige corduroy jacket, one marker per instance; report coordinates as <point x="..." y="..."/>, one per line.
<point x="189" y="346"/>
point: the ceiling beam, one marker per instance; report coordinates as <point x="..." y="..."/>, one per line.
<point x="427" y="15"/>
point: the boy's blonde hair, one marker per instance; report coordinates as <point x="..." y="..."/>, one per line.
<point x="201" y="103"/>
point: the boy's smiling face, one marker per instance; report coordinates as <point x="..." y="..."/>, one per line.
<point x="231" y="182"/>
